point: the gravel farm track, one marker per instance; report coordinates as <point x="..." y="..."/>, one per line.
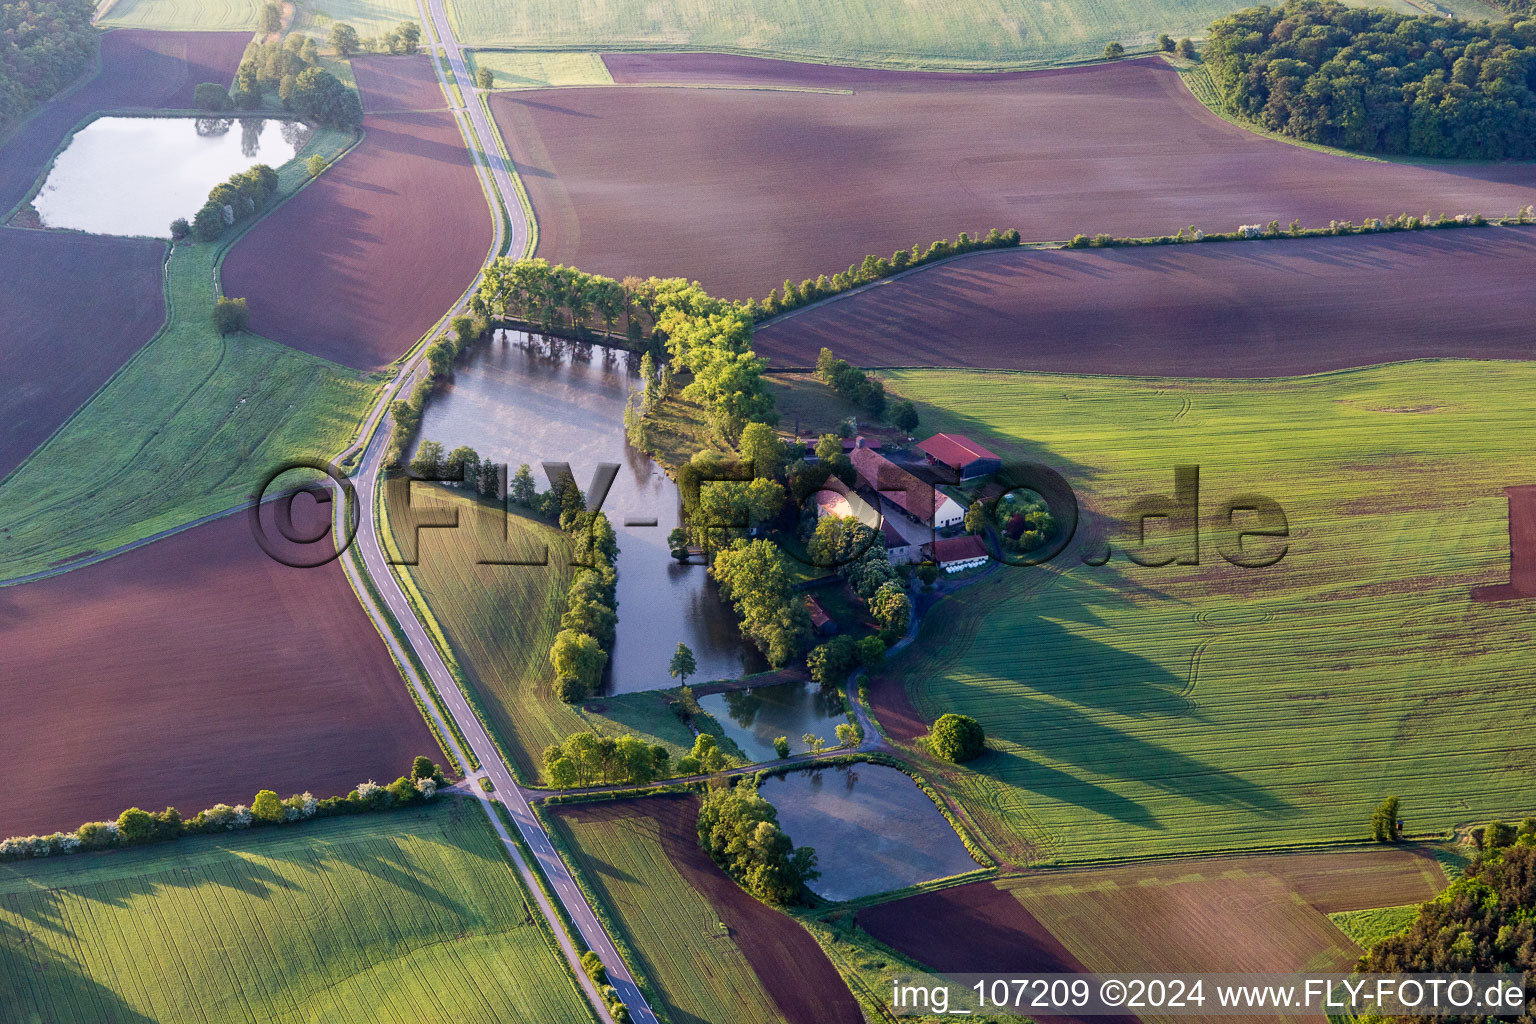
<point x="76" y="307"/>
<point x="776" y="177"/>
<point x="192" y="671"/>
<point x="321" y="273"/>
<point x="1240" y="309"/>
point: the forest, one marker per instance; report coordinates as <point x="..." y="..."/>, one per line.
<point x="44" y="45"/>
<point x="1379" y="82"/>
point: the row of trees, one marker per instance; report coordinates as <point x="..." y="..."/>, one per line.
<point x="873" y="268"/>
<point x="135" y="827"/>
<point x="831" y="662"/>
<point x="591" y="617"/>
<point x="1380" y="82"/>
<point x="554" y="298"/>
<point x="44" y="45"/>
<point x="229" y="202"/>
<point x="740" y="830"/>
<point x="406" y="412"/>
<point x="404" y="38"/>
<point x="1401" y="222"/>
<point x="862" y="389"/>
<point x="754" y="576"/>
<point x="587" y="759"/>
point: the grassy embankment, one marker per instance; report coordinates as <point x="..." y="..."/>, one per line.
<point x="186" y="428"/>
<point x="1136" y="711"/>
<point x="499" y="622"/>
<point x="392" y="918"/>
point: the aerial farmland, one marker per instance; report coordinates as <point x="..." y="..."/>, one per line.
<point x="797" y="513"/>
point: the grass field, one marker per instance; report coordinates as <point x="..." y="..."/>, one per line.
<point x="715" y="953"/>
<point x="1368" y="927"/>
<point x="188" y="427"/>
<point x="183" y="15"/>
<point x="1135" y="711"/>
<point x="523" y="69"/>
<point x="500" y="621"/>
<point x="371" y="18"/>
<point x="402" y="918"/>
<point x="884" y="33"/>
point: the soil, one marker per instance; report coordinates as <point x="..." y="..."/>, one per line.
<point x="397" y="85"/>
<point x="1522" y="549"/>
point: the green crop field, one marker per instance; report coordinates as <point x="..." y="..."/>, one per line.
<point x="371" y="18"/>
<point x="944" y="34"/>
<point x="500" y="620"/>
<point x="684" y="951"/>
<point x="1368" y="927"/>
<point x="181" y="15"/>
<point x="187" y="428"/>
<point x="401" y="917"/>
<point x="1135" y="710"/>
<point x="521" y="69"/>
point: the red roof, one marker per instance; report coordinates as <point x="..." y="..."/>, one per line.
<point x="819" y="616"/>
<point x="954" y="450"/>
<point x="905" y="491"/>
<point x="957" y="549"/>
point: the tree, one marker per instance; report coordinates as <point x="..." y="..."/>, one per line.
<point x="578" y="656"/>
<point x="904" y="416"/>
<point x="344" y="39"/>
<point x="781" y="746"/>
<point x="976" y="517"/>
<point x="740" y="830"/>
<point x="1114" y="51"/>
<point x="761" y="447"/>
<point x="211" y="96"/>
<point x="180" y="229"/>
<point x="831" y="661"/>
<point x="871" y="652"/>
<point x="136" y="826"/>
<point x="208" y="224"/>
<point x="314" y="165"/>
<point x="892" y="611"/>
<point x="271" y="18"/>
<point x="677" y="543"/>
<point x="753" y="576"/>
<point x="463" y="464"/>
<point x="408" y="36"/>
<point x="423" y="768"/>
<point x="320" y="97"/>
<point x="230" y="316"/>
<point x="1165" y="43"/>
<point x="484" y="77"/>
<point x="849" y="734"/>
<point x="522" y="489"/>
<point x="956" y="738"/>
<point x="427" y="463"/>
<point x="1384" y="821"/>
<point x="1497" y="835"/>
<point x="683" y="664"/>
<point x="268" y="807"/>
<point x="1187" y="49"/>
<point x="828" y="445"/>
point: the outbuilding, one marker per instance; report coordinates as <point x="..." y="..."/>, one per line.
<point x="961" y="455"/>
<point x="953" y="554"/>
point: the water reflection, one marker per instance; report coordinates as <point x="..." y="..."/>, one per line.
<point x="872" y="828"/>
<point x="756" y="716"/>
<point x="134" y="175"/>
<point x="528" y="398"/>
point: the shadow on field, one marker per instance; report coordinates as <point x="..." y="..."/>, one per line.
<point x="44" y="972"/>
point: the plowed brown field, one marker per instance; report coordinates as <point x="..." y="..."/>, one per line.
<point x="1238" y="309"/>
<point x="361" y="262"/>
<point x="76" y="307"/>
<point x="740" y="188"/>
<point x="191" y="671"/>
<point x="395" y="85"/>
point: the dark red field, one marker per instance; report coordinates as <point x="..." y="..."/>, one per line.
<point x="1238" y="309"/>
<point x="397" y="85"/>
<point x="139" y="70"/>
<point x="1522" y="550"/>
<point x="360" y="263"/>
<point x="192" y="671"/>
<point x="741" y="188"/>
<point x="790" y="965"/>
<point x="76" y="307"/>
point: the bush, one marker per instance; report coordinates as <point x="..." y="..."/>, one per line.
<point x="230" y="316"/>
<point x="211" y="96"/>
<point x="1187" y="49"/>
<point x="180" y="229"/>
<point x="956" y="738"/>
<point x="1165" y="43"/>
<point x="592" y="965"/>
<point x="1384" y="821"/>
<point x="484" y="77"/>
<point x="314" y="165"/>
<point x="1114" y="51"/>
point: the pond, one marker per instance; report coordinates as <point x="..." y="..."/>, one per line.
<point x="755" y="717"/>
<point x="525" y="398"/>
<point x="134" y="175"/>
<point x="872" y="828"/>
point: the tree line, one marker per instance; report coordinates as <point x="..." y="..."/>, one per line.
<point x="292" y="70"/>
<point x="229" y="203"/>
<point x="44" y="45"/>
<point x="863" y="390"/>
<point x="1430" y="221"/>
<point x="873" y="268"/>
<point x="404" y="38"/>
<point x="740" y="830"/>
<point x="1380" y="82"/>
<point x="441" y="352"/>
<point x="135" y="827"/>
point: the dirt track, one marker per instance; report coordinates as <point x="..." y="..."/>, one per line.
<point x="785" y="959"/>
<point x="1238" y="309"/>
<point x="357" y="265"/>
<point x="139" y="70"/>
<point x="76" y="307"/>
<point x="193" y="671"/>
<point x="741" y="188"/>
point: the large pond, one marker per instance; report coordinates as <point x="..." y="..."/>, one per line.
<point x="134" y="175"/>
<point x="531" y="399"/>
<point x="872" y="828"/>
<point x="754" y="718"/>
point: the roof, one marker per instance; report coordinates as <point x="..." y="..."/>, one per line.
<point x="955" y="449"/>
<point x="831" y="503"/>
<point x="819" y="616"/>
<point x="904" y="490"/>
<point x="958" y="549"/>
<point x="893" y="537"/>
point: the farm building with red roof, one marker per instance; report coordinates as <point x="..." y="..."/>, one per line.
<point x="960" y="454"/>
<point x="955" y="553"/>
<point x="918" y="500"/>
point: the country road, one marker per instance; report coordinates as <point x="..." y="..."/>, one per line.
<point x="370" y="559"/>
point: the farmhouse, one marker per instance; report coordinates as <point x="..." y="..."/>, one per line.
<point x="953" y="554"/>
<point x="917" y="500"/>
<point x="897" y="546"/>
<point x="961" y="454"/>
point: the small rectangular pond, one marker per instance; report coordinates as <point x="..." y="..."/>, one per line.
<point x="755" y="717"/>
<point x="134" y="175"/>
<point x="872" y="828"/>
